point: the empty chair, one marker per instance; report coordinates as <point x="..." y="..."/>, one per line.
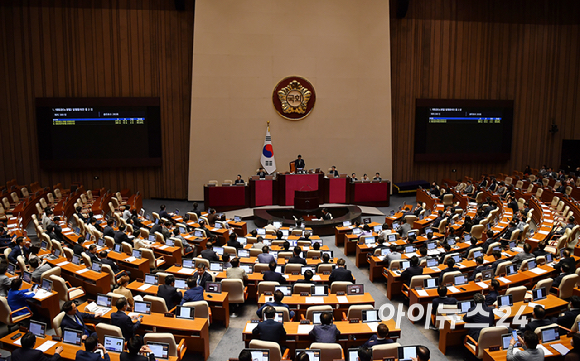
<point x="176" y="350"/>
<point x="104" y="329"/>
<point x="328" y="351"/>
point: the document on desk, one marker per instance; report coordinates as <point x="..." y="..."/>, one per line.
<point x="453" y="289"/>
<point x="538" y="271"/>
<point x="503" y="280"/>
<point x="187" y="271"/>
<point x="46" y="346"/>
<point x="81" y="271"/>
<point x="316" y="278"/>
<point x="63" y="263"/>
<point x="422" y="293"/>
<point x="482" y="285"/>
<point x="144" y="287"/>
<point x="130" y="259"/>
<point x="250" y="327"/>
<point x="563" y="350"/>
<point x="314" y="300"/>
<point x="373" y="326"/>
<point x="342" y="299"/>
<point x="305" y="329"/>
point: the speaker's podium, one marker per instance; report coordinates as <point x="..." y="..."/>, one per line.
<point x="306" y="200"/>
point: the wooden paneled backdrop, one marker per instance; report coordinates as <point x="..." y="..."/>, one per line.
<point x="105" y="48"/>
<point x="523" y="50"/>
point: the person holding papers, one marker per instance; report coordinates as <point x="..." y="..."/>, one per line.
<point x="135" y="347"/>
<point x="278" y="297"/>
<point x="90" y="354"/>
<point x="270" y="330"/>
<point x="325" y="332"/>
<point x="529" y="352"/>
<point x="28" y="353"/>
<point x="17" y="297"/>
<point x="76" y="320"/>
<point x="194" y="292"/>
<point x="380" y="338"/>
<point x="123" y="321"/>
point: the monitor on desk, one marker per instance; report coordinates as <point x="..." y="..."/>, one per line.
<point x="96" y="266"/>
<point x="539" y="294"/>
<point x="248" y="268"/>
<point x="213" y="287"/>
<point x="46" y="285"/>
<point x="104" y="300"/>
<point x="430" y="283"/>
<point x="180" y="283"/>
<point x="216" y="266"/>
<point x="37" y="328"/>
<point x="72" y="336"/>
<point x="27" y="277"/>
<point x="151" y="279"/>
<point x="504" y="301"/>
<point x="243" y="253"/>
<point x="355" y="289"/>
<point x="370" y="316"/>
<point x="187" y="313"/>
<point x="313" y="354"/>
<point x="159" y="349"/>
<point x="143" y="307"/>
<point x="550" y="334"/>
<point x="286" y="290"/>
<point x="114" y="344"/>
<point x="319" y="290"/>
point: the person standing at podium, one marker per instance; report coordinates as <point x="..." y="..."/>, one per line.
<point x="299" y="163"/>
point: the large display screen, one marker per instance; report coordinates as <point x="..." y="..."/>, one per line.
<point x="98" y="132"/>
<point x="463" y="130"/>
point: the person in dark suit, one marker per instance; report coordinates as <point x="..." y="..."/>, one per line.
<point x="568" y="317"/>
<point x="135" y="346"/>
<point x="270" y="330"/>
<point x="413" y="270"/>
<point x="493" y="294"/>
<point x="380" y="338"/>
<point x="123" y="321"/>
<point x="539" y="320"/>
<point x="194" y="292"/>
<point x="340" y="273"/>
<point x="299" y="163"/>
<point x="442" y="299"/>
<point x="28" y="353"/>
<point x="233" y="242"/>
<point x="450" y="268"/>
<point x="169" y="293"/>
<point x="121" y="237"/>
<point x="201" y="276"/>
<point x="479" y="268"/>
<point x="76" y="320"/>
<point x="325" y="332"/>
<point x="296" y="257"/>
<point x="272" y="275"/>
<point x="209" y="254"/>
<point x="89" y="354"/>
<point x="109" y="231"/>
<point x="19" y="250"/>
<point x="478" y="314"/>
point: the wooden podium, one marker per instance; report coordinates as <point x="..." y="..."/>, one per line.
<point x="306" y="200"/>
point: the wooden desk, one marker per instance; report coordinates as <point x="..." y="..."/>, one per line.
<point x="218" y="302"/>
<point x="69" y="351"/>
<point x="352" y="334"/>
<point x="79" y="276"/>
<point x="195" y="332"/>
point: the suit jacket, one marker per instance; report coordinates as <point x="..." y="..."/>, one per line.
<point x="124" y="322"/>
<point x="295" y="259"/>
<point x="484" y="318"/>
<point x="270" y="330"/>
<point x="126" y="356"/>
<point x="205" y="278"/>
<point x="83" y="355"/>
<point x="410" y="272"/>
<point x="68" y="322"/>
<point x="374" y="341"/>
<point x="324" y="333"/>
<point x="170" y="294"/>
<point x="28" y="354"/>
<point x="210" y="255"/>
<point x="340" y="274"/>
<point x="274" y="276"/>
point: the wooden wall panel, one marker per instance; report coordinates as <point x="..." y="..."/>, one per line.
<point x="526" y="51"/>
<point x="100" y="48"/>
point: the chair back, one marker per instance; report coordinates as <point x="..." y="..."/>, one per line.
<point x="386" y="350"/>
<point x="274" y="347"/>
<point x="328" y="351"/>
<point x="235" y="290"/>
<point x="56" y="321"/>
<point x="518" y="293"/>
<point x="157" y="304"/>
<point x="165" y="337"/>
<point x="355" y="311"/>
<point x="339" y="286"/>
<point x="267" y="286"/>
<point x="104" y="329"/>
<point x="310" y="311"/>
<point x="567" y="286"/>
<point x="489" y="336"/>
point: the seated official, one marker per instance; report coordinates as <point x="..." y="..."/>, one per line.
<point x="17" y="298"/>
<point x="89" y="353"/>
<point x="233" y="242"/>
<point x="194" y="292"/>
<point x="296" y="257"/>
<point x="326" y="332"/>
<point x="123" y="290"/>
<point x="380" y="338"/>
<point x="413" y="270"/>
<point x="209" y="253"/>
<point x="169" y="293"/>
<point x="493" y="294"/>
<point x="202" y="276"/>
<point x="278" y="297"/>
<point x="135" y="346"/>
<point x="442" y="299"/>
<point x="478" y="315"/>
<point x="265" y="256"/>
<point x="38" y="268"/>
<point x="28" y="353"/>
<point x="76" y="320"/>
<point x="272" y="275"/>
<point x="235" y="272"/>
<point x="123" y="321"/>
<point x="539" y="319"/>
<point x="340" y="273"/>
<point x="529" y="352"/>
<point x="270" y="330"/>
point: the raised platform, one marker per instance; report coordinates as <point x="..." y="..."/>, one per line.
<point x="321" y="228"/>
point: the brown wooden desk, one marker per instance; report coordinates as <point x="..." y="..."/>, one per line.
<point x="218" y="302"/>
